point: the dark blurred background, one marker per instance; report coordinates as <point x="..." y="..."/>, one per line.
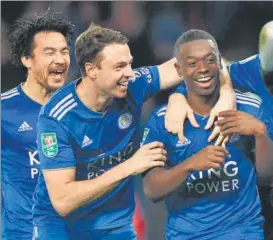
<point x="152" y="28"/>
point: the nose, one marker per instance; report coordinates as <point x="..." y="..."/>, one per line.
<point x="203" y="68"/>
<point x="59" y="58"/>
<point x="129" y="72"/>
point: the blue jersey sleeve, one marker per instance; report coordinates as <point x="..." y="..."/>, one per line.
<point x="145" y="84"/>
<point x="246" y="74"/>
<point x="154" y="131"/>
<point x="55" y="150"/>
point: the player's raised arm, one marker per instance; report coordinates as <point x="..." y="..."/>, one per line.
<point x="168" y="75"/>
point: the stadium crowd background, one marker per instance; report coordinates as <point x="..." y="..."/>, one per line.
<point x="152" y="28"/>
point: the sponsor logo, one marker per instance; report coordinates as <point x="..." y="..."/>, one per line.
<point x="86" y="141"/>
<point x="24" y="127"/>
<point x="185" y="143"/>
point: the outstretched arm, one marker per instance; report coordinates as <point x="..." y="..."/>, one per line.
<point x="67" y="194"/>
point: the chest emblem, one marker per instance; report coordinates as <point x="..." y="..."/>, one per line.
<point x="125" y="120"/>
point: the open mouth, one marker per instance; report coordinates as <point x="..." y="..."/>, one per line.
<point x="204" y="80"/>
<point x="57" y="73"/>
<point x="123" y="84"/>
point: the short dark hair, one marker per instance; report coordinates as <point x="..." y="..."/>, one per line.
<point x="21" y="35"/>
<point x="90" y="44"/>
<point x="191" y="35"/>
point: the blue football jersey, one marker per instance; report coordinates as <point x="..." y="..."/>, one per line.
<point x="20" y="162"/>
<point x="212" y="203"/>
<point x="247" y="75"/>
<point x="72" y="136"/>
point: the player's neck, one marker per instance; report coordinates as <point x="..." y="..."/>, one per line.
<point x="91" y="97"/>
<point x="202" y="105"/>
<point x="36" y="91"/>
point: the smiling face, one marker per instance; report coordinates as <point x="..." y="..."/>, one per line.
<point x="50" y="60"/>
<point x="115" y="70"/>
<point x="199" y="64"/>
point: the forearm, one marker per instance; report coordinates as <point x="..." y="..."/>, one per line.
<point x="160" y="182"/>
<point x="225" y="80"/>
<point x="75" y="194"/>
<point x="264" y="158"/>
<point x="168" y="75"/>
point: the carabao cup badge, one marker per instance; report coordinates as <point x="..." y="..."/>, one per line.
<point x="125" y="120"/>
<point x="49" y="144"/>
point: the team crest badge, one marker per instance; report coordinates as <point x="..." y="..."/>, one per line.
<point x="49" y="144"/>
<point x="125" y="120"/>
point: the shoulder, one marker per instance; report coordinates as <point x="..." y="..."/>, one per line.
<point x="250" y="60"/>
<point x="147" y="72"/>
<point x="11" y="96"/>
<point x="248" y="101"/>
<point x="61" y="103"/>
<point x="144" y="74"/>
<point x="158" y="114"/>
<point x="248" y="64"/>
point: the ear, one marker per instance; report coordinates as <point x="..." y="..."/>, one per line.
<point x="178" y="69"/>
<point x="220" y="60"/>
<point x="91" y="70"/>
<point x="26" y="61"/>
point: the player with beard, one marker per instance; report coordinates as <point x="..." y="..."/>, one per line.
<point x="205" y="185"/>
<point x="40" y="45"/>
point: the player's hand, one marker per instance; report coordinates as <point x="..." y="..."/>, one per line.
<point x="148" y="156"/>
<point x="178" y="110"/>
<point x="227" y="101"/>
<point x="209" y="157"/>
<point x="237" y="122"/>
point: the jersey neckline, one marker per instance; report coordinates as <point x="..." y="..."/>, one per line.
<point x="22" y="93"/>
<point x="82" y="105"/>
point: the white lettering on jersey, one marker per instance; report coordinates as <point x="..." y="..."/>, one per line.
<point x="230" y="170"/>
<point x="34" y="171"/>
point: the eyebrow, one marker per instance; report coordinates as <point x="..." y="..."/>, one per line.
<point x="123" y="62"/>
<point x="54" y="49"/>
<point x="207" y="55"/>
